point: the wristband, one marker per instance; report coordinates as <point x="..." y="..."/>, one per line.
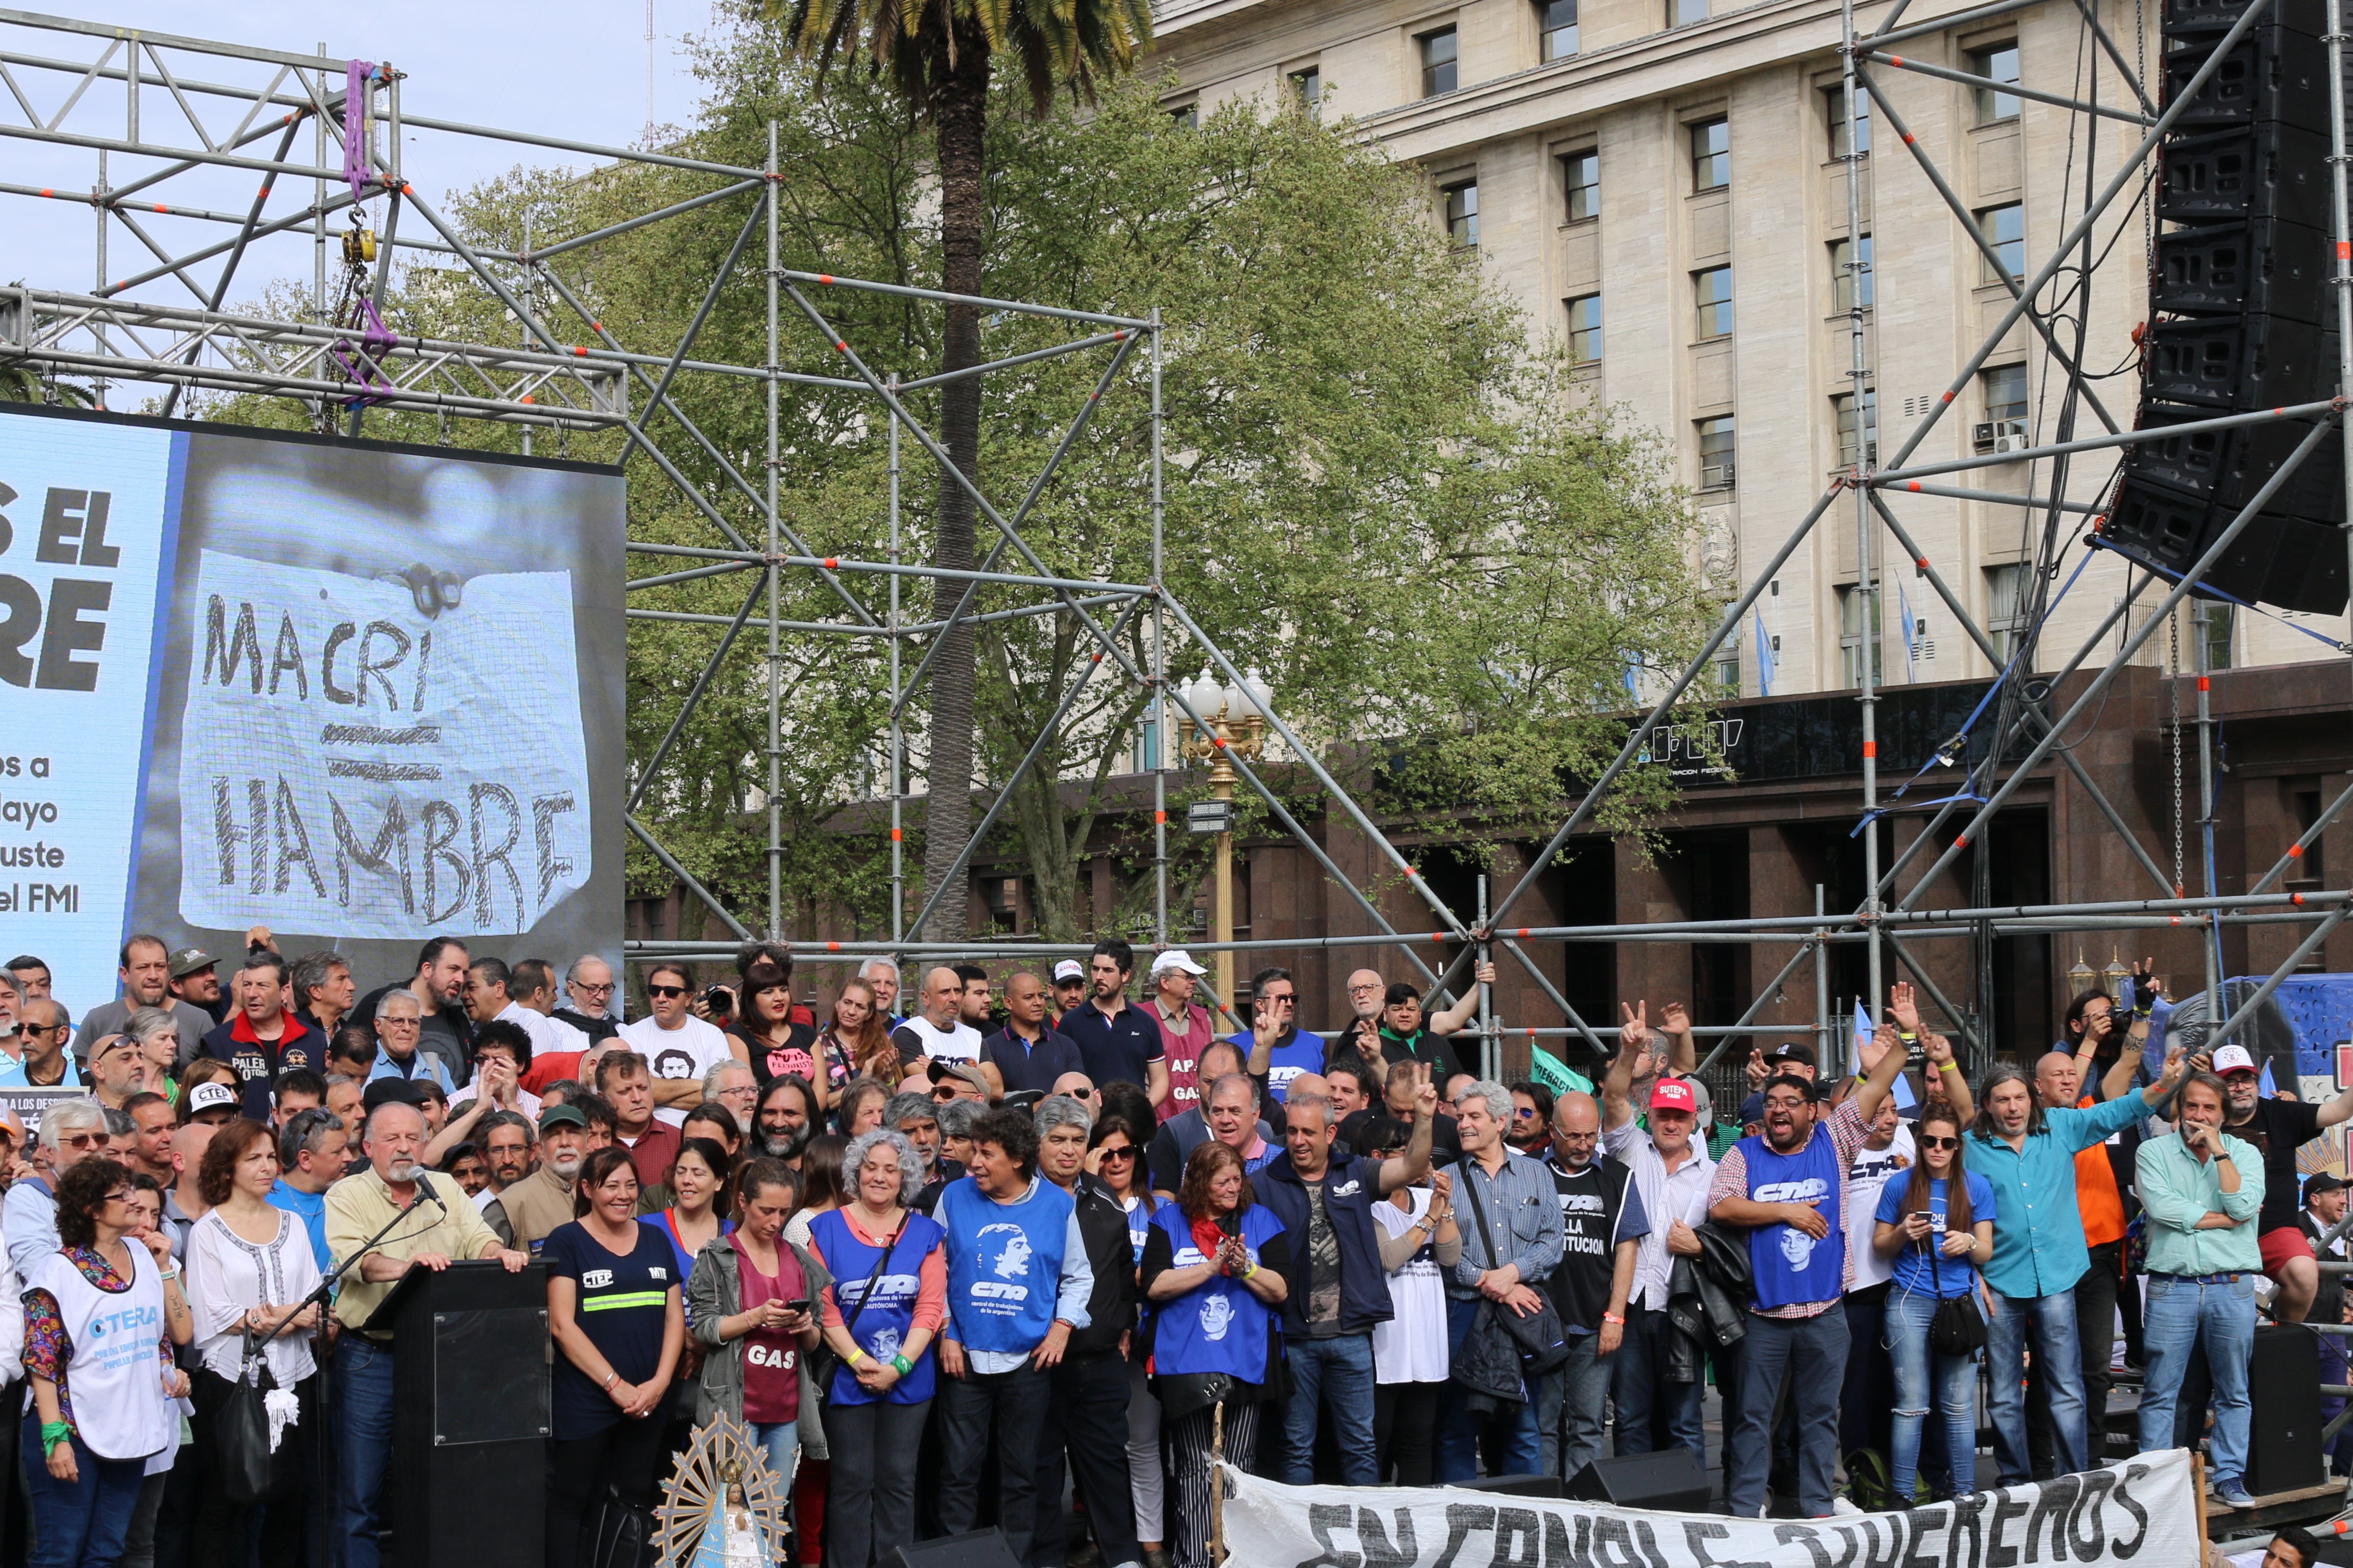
<point x="52" y="1434"/>
<point x="1908" y="1036"/>
<point x="1949" y="1067"/>
<point x="610" y="1379"/>
<point x="854" y="1358"/>
<point x="902" y="1365"/>
<point x="1613" y="1317"/>
<point x="1250" y="1270"/>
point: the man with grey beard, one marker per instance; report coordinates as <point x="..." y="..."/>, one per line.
<point x="785" y="1120"/>
<point x="542" y="1200"/>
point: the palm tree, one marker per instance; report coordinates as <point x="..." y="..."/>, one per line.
<point x="938" y="54"/>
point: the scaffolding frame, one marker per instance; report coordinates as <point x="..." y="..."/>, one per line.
<point x="587" y="379"/>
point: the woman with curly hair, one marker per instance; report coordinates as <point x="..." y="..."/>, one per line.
<point x="1214" y="1270"/>
<point x="101" y="1408"/>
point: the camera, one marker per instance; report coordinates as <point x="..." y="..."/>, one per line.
<point x="719" y="1001"/>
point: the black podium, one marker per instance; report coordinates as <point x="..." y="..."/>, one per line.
<point x="470" y="1418"/>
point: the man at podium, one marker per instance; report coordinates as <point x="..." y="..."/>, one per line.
<point x="437" y="1223"/>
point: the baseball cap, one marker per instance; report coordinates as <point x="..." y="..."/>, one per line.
<point x="1176" y="958"/>
<point x="2233" y="1058"/>
<point x="941" y="1071"/>
<point x="1069" y="969"/>
<point x="1673" y="1094"/>
<point x="562" y="1116"/>
<point x="189" y="961"/>
<point x="2323" y="1183"/>
<point x="389" y="1091"/>
<point x="1793" y="1051"/>
<point x="211" y="1097"/>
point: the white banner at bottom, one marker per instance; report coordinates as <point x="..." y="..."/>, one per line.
<point x="2143" y="1512"/>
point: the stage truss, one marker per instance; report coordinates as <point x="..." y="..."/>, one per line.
<point x="572" y="374"/>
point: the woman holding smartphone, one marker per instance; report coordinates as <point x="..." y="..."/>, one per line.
<point x="750" y="1304"/>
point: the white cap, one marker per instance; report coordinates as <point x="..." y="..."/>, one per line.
<point x="2233" y="1058"/>
<point x="211" y="1097"/>
<point x="1068" y="969"/>
<point x="1176" y="958"/>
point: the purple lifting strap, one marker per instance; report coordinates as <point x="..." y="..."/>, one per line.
<point x="356" y="76"/>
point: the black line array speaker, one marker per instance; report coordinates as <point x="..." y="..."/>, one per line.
<point x="2243" y="313"/>
<point x="2284" y="1395"/>
<point x="1669" y="1478"/>
<point x="1515" y="1486"/>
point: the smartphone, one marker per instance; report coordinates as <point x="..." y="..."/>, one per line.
<point x="798" y="1304"/>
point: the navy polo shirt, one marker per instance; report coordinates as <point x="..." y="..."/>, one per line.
<point x="1114" y="1049"/>
<point x="1025" y="1066"/>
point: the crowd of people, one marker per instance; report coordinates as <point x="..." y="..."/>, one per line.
<point x="946" y="1262"/>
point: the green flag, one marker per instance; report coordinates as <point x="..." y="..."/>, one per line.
<point x="1555" y="1074"/>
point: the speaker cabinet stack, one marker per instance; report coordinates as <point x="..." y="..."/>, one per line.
<point x="2243" y="316"/>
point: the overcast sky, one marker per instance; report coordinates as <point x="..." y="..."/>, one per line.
<point x="577" y="69"/>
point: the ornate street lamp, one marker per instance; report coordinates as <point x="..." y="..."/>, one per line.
<point x="1235" y="717"/>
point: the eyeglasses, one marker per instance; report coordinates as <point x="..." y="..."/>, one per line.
<point x="82" y="1140"/>
<point x="1356" y="990"/>
<point x="665" y="990"/>
<point x="1929" y="1142"/>
<point x="122" y="1197"/>
<point x="395" y="1021"/>
<point x="594" y="990"/>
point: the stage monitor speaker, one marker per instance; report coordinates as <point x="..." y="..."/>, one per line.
<point x="2264" y="266"/>
<point x="2253" y="172"/>
<point x="2284" y="1393"/>
<point x="973" y="1549"/>
<point x="469" y="1416"/>
<point x="2272" y="74"/>
<point x="1515" y="1486"/>
<point x="1669" y="1479"/>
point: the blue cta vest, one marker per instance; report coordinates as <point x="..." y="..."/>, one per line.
<point x="1218" y="1326"/>
<point x="1005" y="1263"/>
<point x="888" y="1318"/>
<point x="1790" y="1265"/>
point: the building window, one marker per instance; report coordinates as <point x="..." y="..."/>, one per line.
<point x="1188" y="116"/>
<point x="1147" y="746"/>
<point x="1581" y="174"/>
<point x="2004" y="388"/>
<point x="1438" y="63"/>
<point x="1834" y="101"/>
<point x="2006" y="609"/>
<point x="1556" y="28"/>
<point x="1715" y="454"/>
<point x="1683" y="13"/>
<point x="1855" y="606"/>
<point x="1849" y="275"/>
<point x="1844" y="405"/>
<point x="1728" y="664"/>
<point x="1997" y="64"/>
<point x="1711" y="152"/>
<point x="1584" y="330"/>
<point x="1713" y="290"/>
<point x="2221" y="620"/>
<point x="2004" y="228"/>
<point x="1462" y="214"/>
<point x="1307" y="91"/>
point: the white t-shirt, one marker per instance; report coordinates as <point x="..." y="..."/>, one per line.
<point x="692" y="1049"/>
<point x="961" y="1044"/>
<point x="1411" y="1346"/>
<point x="1872" y="1171"/>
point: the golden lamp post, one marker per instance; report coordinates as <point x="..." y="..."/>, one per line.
<point x="1235" y="717"/>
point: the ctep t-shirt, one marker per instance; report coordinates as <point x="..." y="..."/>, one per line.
<point x="623" y="1308"/>
<point x="1871" y="1172"/>
<point x="692" y="1049"/>
<point x="2278" y="1128"/>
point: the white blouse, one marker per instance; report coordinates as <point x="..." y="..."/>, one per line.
<point x="229" y="1276"/>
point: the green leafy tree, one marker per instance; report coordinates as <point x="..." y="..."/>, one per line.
<point x="937" y="54"/>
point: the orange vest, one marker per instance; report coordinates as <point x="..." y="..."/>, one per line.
<point x="2095" y="1192"/>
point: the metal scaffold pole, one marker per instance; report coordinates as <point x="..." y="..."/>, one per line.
<point x="1866" y="458"/>
<point x="775" y="926"/>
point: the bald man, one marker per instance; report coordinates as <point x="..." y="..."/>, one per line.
<point x="937" y="1031"/>
<point x="1603" y="1222"/>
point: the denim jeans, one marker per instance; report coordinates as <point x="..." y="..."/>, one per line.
<point x="1812" y="1353"/>
<point x="2051" y="1320"/>
<point x="363" y="1407"/>
<point x="1920" y="1373"/>
<point x="1337" y="1372"/>
<point x="1569" y="1407"/>
<point x="1640" y="1384"/>
<point x="2182" y="1314"/>
<point x="1512" y="1442"/>
<point x="84" y="1519"/>
<point x="782" y="1439"/>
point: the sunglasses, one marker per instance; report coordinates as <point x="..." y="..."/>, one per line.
<point x="1940" y="1142"/>
<point x="1280" y="999"/>
<point x="665" y="990"/>
<point x="942" y="1091"/>
<point x="1126" y="1153"/>
<point x="83" y="1140"/>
